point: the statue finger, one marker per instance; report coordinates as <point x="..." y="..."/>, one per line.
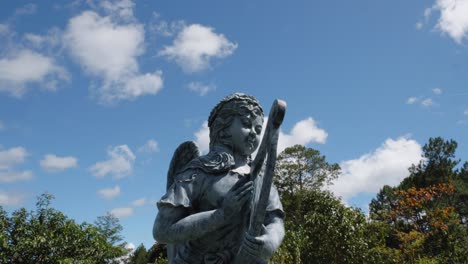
<point x="240" y="182"/>
<point x="247" y="185"/>
<point x="245" y="197"/>
<point x="247" y="189"/>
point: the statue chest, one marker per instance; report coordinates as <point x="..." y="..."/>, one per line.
<point x="216" y="188"/>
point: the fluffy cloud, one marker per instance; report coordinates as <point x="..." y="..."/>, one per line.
<point x="195" y="46"/>
<point x="108" y="50"/>
<point x="303" y="132"/>
<point x="163" y="28"/>
<point x="14" y="176"/>
<point x="453" y="18"/>
<point x="412" y="100"/>
<point x="201" y="88"/>
<point x="139" y="202"/>
<point x="122" y="212"/>
<point x="437" y="91"/>
<point x="427" y="102"/>
<point x="110" y="193"/>
<point x="122" y="9"/>
<point x="387" y="165"/>
<point x="149" y="147"/>
<point x="52" y="163"/>
<point x="465" y="112"/>
<point x="4" y="29"/>
<point x="11" y="198"/>
<point x="8" y="160"/>
<point x="12" y="157"/>
<point x="202" y="138"/>
<point x="119" y="163"/>
<point x="51" y="39"/>
<point x="26" y="67"/>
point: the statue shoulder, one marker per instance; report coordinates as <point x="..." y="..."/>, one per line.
<point x="183" y="155"/>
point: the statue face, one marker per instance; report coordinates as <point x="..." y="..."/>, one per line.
<point x="245" y="132"/>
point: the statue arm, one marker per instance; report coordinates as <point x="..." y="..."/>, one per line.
<point x="263" y="247"/>
<point x="174" y="225"/>
<point x="274" y="234"/>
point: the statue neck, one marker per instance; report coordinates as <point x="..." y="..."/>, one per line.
<point x="239" y="159"/>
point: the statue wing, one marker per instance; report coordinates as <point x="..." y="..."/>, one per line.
<point x="186" y="152"/>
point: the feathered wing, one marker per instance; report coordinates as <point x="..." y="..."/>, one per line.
<point x="186" y="152"/>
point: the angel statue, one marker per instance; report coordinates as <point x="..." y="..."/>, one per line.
<point x="222" y="207"/>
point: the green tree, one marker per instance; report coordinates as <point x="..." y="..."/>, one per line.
<point x="48" y="236"/>
<point x="139" y="256"/>
<point x="299" y="168"/>
<point x="157" y="253"/>
<point x="323" y="230"/>
<point x="424" y="217"/>
<point x="319" y="228"/>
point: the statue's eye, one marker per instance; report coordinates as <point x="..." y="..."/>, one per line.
<point x="246" y="122"/>
<point x="258" y="129"/>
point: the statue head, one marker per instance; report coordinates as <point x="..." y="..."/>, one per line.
<point x="244" y="108"/>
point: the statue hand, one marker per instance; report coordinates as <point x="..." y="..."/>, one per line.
<point x="237" y="196"/>
<point x="258" y="247"/>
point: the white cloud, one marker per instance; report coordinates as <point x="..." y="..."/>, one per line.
<point x="4" y="29"/>
<point x="139" y="202"/>
<point x="11" y="198"/>
<point x="110" y="193"/>
<point x="201" y="88"/>
<point x="149" y="147"/>
<point x="52" y="163"/>
<point x="14" y="176"/>
<point x="387" y="165"/>
<point x="8" y="160"/>
<point x="427" y="102"/>
<point x="453" y="19"/>
<point x="27" y="9"/>
<point x="51" y="39"/>
<point x="130" y="246"/>
<point x="412" y="100"/>
<point x="109" y="50"/>
<point x="122" y="9"/>
<point x="303" y="132"/>
<point x="195" y="46"/>
<point x="12" y="157"/>
<point x="202" y="138"/>
<point x="465" y="112"/>
<point x="419" y="25"/>
<point x="26" y="67"/>
<point x="119" y="164"/>
<point x="437" y="91"/>
<point x="163" y="28"/>
<point x="122" y="212"/>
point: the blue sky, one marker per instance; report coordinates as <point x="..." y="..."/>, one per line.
<point x="96" y="95"/>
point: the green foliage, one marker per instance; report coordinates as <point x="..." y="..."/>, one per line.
<point x="300" y="168"/>
<point x="157" y="254"/>
<point x="424" y="218"/>
<point x="322" y="230"/>
<point x="48" y="236"/>
<point x="319" y="228"/>
<point x="139" y="256"/>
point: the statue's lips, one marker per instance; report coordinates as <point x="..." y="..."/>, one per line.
<point x="251" y="143"/>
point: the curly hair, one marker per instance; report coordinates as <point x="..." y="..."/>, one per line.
<point x="223" y="114"/>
